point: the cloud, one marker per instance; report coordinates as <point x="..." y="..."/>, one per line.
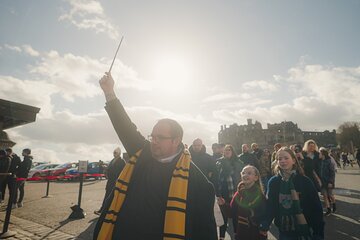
<point x="70" y="137"/>
<point x="67" y="75"/>
<point x="24" y="48"/>
<point x="86" y="14"/>
<point x="321" y="97"/>
<point x="260" y="84"/>
<point x="308" y="112"/>
<point x="333" y="85"/>
<point x="13" y="48"/>
<point x="35" y="93"/>
<point x="29" y="50"/>
<point x="228" y="100"/>
<point x="77" y="76"/>
<point x="66" y="127"/>
<point x="74" y="76"/>
<point x="220" y="97"/>
<point x="194" y="125"/>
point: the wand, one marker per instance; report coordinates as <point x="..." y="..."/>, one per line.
<point x="116" y="53"/>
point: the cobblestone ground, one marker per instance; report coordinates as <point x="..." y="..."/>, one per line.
<point x="28" y="230"/>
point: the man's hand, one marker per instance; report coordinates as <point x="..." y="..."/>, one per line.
<point x="107" y="85"/>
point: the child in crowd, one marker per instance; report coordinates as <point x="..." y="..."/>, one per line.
<point x="248" y="205"/>
<point x="327" y="176"/>
<point x="293" y="201"/>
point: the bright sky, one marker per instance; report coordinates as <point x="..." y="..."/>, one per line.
<point x="203" y="63"/>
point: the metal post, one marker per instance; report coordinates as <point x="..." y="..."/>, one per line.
<point x="5" y="233"/>
<point x="47" y="186"/>
<point x="80" y="188"/>
<point x="78" y="212"/>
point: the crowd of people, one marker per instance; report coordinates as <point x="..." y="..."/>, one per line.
<point x="257" y="186"/>
<point x="283" y="186"/>
<point x="170" y="190"/>
<point x="13" y="175"/>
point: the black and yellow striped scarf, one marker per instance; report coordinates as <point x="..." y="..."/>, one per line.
<point x="175" y="215"/>
<point x="292" y="217"/>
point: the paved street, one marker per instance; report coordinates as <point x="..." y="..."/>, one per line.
<point x="47" y="218"/>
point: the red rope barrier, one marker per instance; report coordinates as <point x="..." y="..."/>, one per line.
<point x="59" y="177"/>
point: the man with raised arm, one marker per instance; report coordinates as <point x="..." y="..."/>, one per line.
<point x="159" y="194"/>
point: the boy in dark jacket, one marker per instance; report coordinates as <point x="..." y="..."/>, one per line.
<point x="10" y="181"/>
<point x="22" y="172"/>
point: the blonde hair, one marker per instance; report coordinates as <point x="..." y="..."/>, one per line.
<point x="257" y="173"/>
<point x="296" y="166"/>
<point x="307" y="143"/>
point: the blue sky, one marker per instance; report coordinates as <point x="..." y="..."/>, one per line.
<point x="204" y="63"/>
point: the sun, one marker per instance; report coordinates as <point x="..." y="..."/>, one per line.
<point x="172" y="74"/>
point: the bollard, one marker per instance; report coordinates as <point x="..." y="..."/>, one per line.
<point x="78" y="212"/>
<point x="6" y="233"/>
<point x="47" y="186"/>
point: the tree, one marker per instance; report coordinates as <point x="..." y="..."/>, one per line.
<point x="349" y="135"/>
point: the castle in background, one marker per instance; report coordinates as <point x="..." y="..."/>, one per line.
<point x="286" y="133"/>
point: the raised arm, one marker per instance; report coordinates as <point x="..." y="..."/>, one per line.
<point x="126" y="130"/>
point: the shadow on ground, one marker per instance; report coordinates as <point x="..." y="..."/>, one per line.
<point x="88" y="233"/>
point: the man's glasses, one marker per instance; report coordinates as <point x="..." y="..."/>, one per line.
<point x="158" y="138"/>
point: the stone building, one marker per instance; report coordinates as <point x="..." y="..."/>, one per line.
<point x="286" y="133"/>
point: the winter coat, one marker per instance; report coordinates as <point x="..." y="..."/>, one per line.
<point x="327" y="172"/>
<point x="24" y="168"/>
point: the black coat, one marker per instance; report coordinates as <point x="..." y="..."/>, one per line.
<point x="206" y="164"/>
<point x="310" y="166"/>
<point x="15" y="163"/>
<point x="4" y="167"/>
<point x="24" y="168"/>
<point x="114" y="169"/>
<point x="4" y="164"/>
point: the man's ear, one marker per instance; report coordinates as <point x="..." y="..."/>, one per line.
<point x="177" y="141"/>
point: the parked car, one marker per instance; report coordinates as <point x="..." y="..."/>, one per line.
<point x="35" y="164"/>
<point x="59" y="170"/>
<point x="36" y="171"/>
<point x="93" y="168"/>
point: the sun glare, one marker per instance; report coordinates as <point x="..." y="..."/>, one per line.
<point x="172" y="74"/>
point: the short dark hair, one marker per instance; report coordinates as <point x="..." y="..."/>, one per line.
<point x="27" y="150"/>
<point x="175" y="128"/>
<point x="9" y="150"/>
